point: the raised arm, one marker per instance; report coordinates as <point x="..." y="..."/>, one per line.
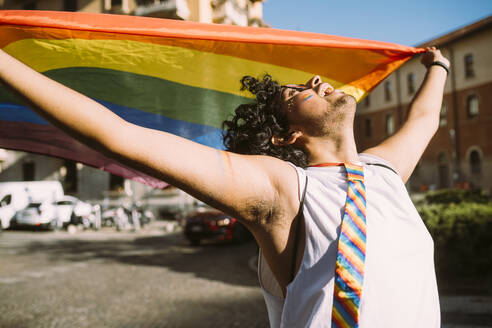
<point x="404" y="149"/>
<point x="247" y="187"/>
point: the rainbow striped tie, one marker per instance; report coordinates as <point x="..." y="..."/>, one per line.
<point x="349" y="271"/>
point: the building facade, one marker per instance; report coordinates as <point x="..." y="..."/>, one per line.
<point x="460" y="154"/>
<point x="235" y="12"/>
<point x="83" y="181"/>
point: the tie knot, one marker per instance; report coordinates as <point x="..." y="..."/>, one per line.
<point x="354" y="172"/>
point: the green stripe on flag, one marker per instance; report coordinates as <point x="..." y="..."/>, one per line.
<point x="150" y="94"/>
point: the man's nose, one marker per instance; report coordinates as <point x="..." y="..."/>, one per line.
<point x="315" y="80"/>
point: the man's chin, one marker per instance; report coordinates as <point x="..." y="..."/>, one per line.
<point x="352" y="100"/>
<point x="351" y="97"/>
<point x="345" y="100"/>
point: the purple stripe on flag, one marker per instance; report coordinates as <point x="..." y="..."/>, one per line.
<point x="48" y="140"/>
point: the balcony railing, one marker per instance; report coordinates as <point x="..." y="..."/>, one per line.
<point x="178" y="8"/>
<point x="229" y="12"/>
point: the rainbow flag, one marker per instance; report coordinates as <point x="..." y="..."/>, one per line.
<point x="175" y="76"/>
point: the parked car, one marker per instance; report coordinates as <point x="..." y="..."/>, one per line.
<point x="36" y="214"/>
<point x="16" y="195"/>
<point x="71" y="210"/>
<point x="209" y="223"/>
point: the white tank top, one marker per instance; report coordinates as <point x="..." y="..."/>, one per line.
<point x="399" y="289"/>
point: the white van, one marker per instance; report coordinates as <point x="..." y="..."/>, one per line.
<point x="15" y="196"/>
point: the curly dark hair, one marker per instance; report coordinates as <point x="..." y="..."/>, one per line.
<point x="251" y="128"/>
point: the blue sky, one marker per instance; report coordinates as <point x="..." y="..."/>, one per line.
<point x="408" y="22"/>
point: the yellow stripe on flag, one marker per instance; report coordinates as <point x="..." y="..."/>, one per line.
<point x="182" y="65"/>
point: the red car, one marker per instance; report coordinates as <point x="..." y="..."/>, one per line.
<point x="208" y="223"/>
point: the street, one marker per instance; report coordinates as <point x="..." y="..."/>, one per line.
<point x="110" y="279"/>
<point x="150" y="278"/>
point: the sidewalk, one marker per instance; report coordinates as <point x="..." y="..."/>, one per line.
<point x="466" y="311"/>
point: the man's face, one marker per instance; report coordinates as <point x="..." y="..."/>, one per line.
<point x="316" y="106"/>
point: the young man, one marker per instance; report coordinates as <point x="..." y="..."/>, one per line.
<point x="308" y="125"/>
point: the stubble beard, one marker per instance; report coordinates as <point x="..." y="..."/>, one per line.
<point x="343" y="101"/>
<point x="337" y="117"/>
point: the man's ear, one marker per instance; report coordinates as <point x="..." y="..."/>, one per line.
<point x="288" y="140"/>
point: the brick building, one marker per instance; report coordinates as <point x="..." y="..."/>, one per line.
<point x="461" y="151"/>
<point x="84" y="181"/>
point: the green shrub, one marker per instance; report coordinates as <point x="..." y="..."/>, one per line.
<point x="462" y="233"/>
<point x="456" y="196"/>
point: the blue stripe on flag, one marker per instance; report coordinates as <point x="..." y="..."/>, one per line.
<point x="206" y="135"/>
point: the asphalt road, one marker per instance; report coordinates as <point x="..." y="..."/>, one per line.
<point x="123" y="279"/>
<point x="151" y="278"/>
